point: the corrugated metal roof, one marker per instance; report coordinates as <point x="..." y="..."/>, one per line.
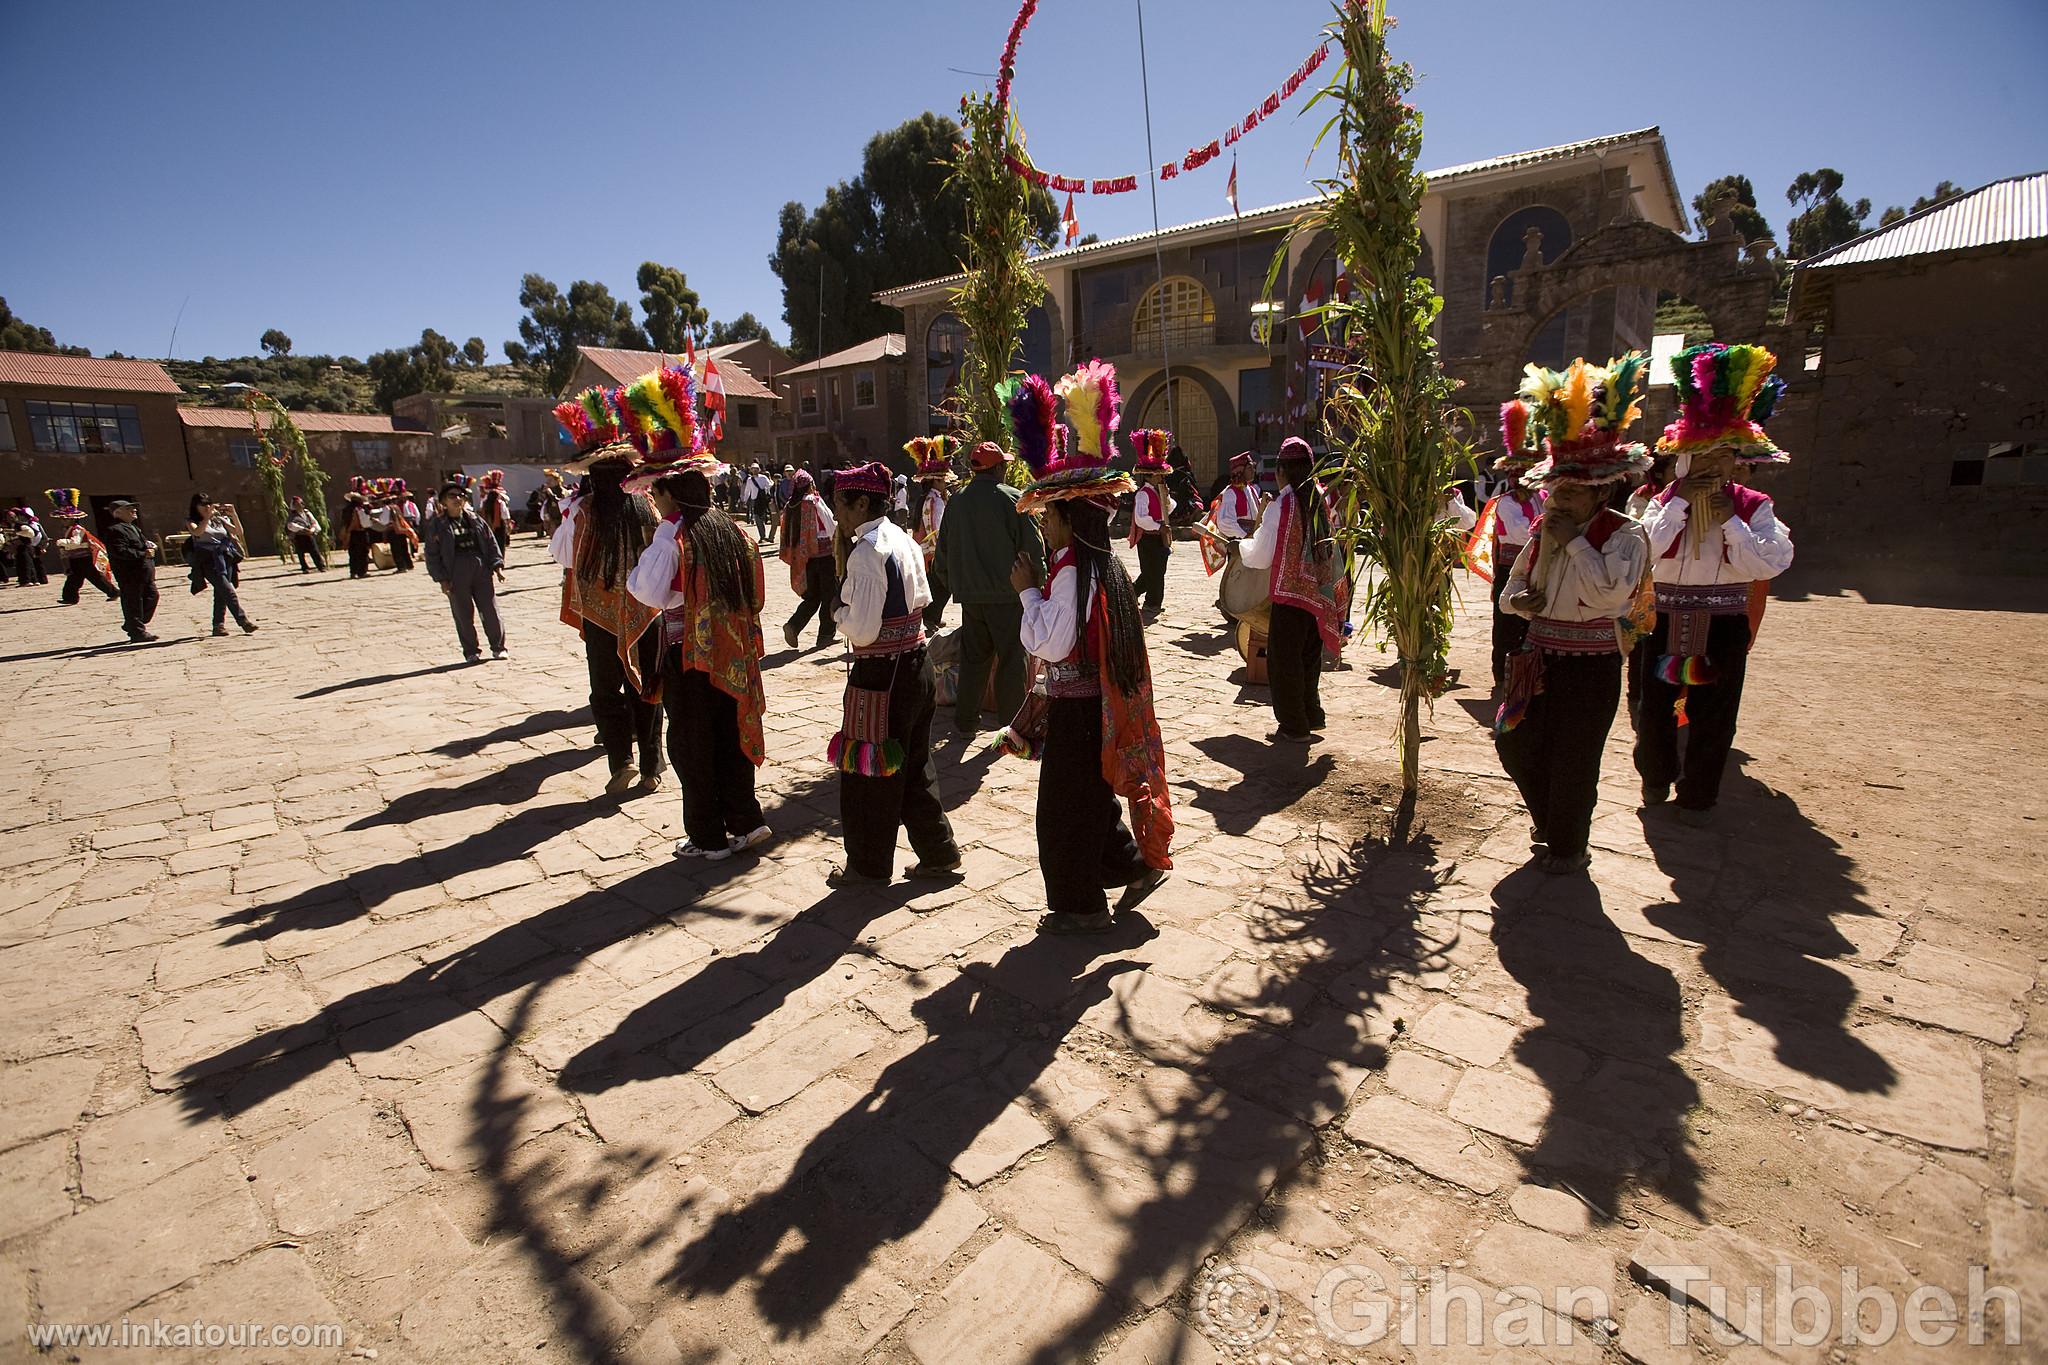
<point x="85" y="372"/>
<point x="1284" y="212"/>
<point x="2002" y="212"/>
<point x="888" y="346"/>
<point x="625" y="366"/>
<point x="237" y="419"/>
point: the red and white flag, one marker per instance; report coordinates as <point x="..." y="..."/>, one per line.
<point x="689" y="350"/>
<point x="1230" y="188"/>
<point x="1311" y="299"/>
<point x="1069" y="221"/>
<point x="714" y="387"/>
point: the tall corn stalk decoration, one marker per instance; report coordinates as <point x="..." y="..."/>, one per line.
<point x="271" y="463"/>
<point x="1393" y="449"/>
<point x="1001" y="287"/>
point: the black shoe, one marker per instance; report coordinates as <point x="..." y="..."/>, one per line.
<point x="1557" y="865"/>
<point x="1656" y="793"/>
<point x="935" y="872"/>
<point x="141" y="637"/>
<point x="1150" y="880"/>
<point x="1698" y="817"/>
<point x="248" y="627"/>
<point x="220" y="630"/>
<point x="1290" y="737"/>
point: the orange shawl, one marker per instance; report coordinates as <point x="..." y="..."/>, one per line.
<point x="723" y="644"/>
<point x="613" y="609"/>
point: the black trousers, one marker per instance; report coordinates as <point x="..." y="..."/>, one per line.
<point x="935" y="610"/>
<point x="503" y="535"/>
<point x="988" y="639"/>
<point x="1693" y="757"/>
<point x="226" y="602"/>
<point x="1153" y="553"/>
<point x="358" y="554"/>
<point x="1084" y="846"/>
<point x="471" y="593"/>
<point x="1509" y="630"/>
<point x="625" y="721"/>
<point x="821" y="599"/>
<point x="78" y="570"/>
<point x="1638" y="663"/>
<point x="28" y="564"/>
<point x="308" y="548"/>
<point x="137" y="578"/>
<point x="401" y="554"/>
<point x="871" y="809"/>
<point x="1554" y="754"/>
<point x="704" y="745"/>
<point x="1294" y="669"/>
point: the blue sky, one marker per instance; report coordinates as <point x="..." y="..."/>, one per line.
<point x="355" y="172"/>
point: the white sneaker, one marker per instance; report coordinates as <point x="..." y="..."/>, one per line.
<point x="686" y="849"/>
<point x="753" y="839"/>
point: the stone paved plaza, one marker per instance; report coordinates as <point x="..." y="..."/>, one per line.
<point x="332" y="991"/>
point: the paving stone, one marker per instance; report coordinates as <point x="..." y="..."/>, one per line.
<point x="502" y="1307"/>
<point x="816" y="1048"/>
<point x="972" y="1129"/>
<point x="1737" y="1270"/>
<point x="1427" y="1141"/>
<point x="419" y="1042"/>
<point x="928" y="941"/>
<point x="309" y="1084"/>
<point x="388" y="1260"/>
<point x="648" y="1103"/>
<point x="1572" y="1279"/>
<point x="2030" y="1150"/>
<point x="33" y="1181"/>
<point x="145" y="1144"/>
<point x="1550" y="1210"/>
<point x="198" y="1033"/>
<point x="1500" y="1104"/>
<point x="895" y="997"/>
<point x="1461" y="1319"/>
<point x="112" y="1256"/>
<point x="780" y="1146"/>
<point x="1159" y="1019"/>
<point x="1162" y="1339"/>
<point x="44" y="1096"/>
<point x="1009" y="1298"/>
<point x="345" y="1164"/>
<point x="1465" y="1034"/>
<point x="446" y="1114"/>
<point x="1423" y="1080"/>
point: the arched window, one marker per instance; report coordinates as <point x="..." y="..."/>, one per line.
<point x="1177" y="309"/>
<point x="1193" y="424"/>
<point x="1508" y="245"/>
<point x="945" y="349"/>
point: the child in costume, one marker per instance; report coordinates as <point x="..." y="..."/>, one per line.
<point x="1311" y="595"/>
<point x="808" y="531"/>
<point x="1151" y="510"/>
<point x="85" y="558"/>
<point x="1578" y="573"/>
<point x="1716" y="545"/>
<point x="1100" y="739"/>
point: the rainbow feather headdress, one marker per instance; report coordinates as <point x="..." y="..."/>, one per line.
<point x="1151" y="447"/>
<point x="659" y="412"/>
<point x="1520" y="444"/>
<point x="1582" y="414"/>
<point x="1094" y="407"/>
<point x="589" y="420"/>
<point x="1725" y="395"/>
<point x="933" y="455"/>
<point x="64" y="504"/>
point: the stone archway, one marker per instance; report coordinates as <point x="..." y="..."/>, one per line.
<point x="1196" y="394"/>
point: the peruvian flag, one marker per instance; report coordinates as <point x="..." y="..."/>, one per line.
<point x="1069" y="221"/>
<point x="1311" y="300"/>
<point x="714" y="388"/>
<point x="689" y="350"/>
<point x="1230" y="188"/>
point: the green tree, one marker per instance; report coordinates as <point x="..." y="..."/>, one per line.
<point x="475" y="353"/>
<point x="427" y="366"/>
<point x="745" y="327"/>
<point x="18" y="335"/>
<point x="671" y="306"/>
<point x="1822" y="218"/>
<point x="276" y="344"/>
<point x="1751" y="224"/>
<point x="556" y="324"/>
<point x="897" y="221"/>
<point x="1945" y="191"/>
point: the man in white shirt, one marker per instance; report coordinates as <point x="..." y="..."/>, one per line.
<point x="887" y="779"/>
<point x="757" y="495"/>
<point x="1311" y="596"/>
<point x="1714" y="544"/>
<point x="1151" y="506"/>
<point x="1237" y="510"/>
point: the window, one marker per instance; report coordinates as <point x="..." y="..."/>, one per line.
<point x="747" y="414"/>
<point x="807" y="400"/>
<point x="945" y="345"/>
<point x="6" y="427"/>
<point x="838" y="398"/>
<point x="244" y="451"/>
<point x="2004" y="464"/>
<point x="85" y="428"/>
<point x="373" y="456"/>
<point x="1254" y="396"/>
<point x="863" y="388"/>
<point x="1178" y="310"/>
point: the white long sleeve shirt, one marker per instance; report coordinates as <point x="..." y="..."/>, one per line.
<point x="1258" y="552"/>
<point x="1050" y="629"/>
<point x="934" y="513"/>
<point x="1587" y="584"/>
<point x="653" y="578"/>
<point x="878" y="544"/>
<point x="1461" y="515"/>
<point x="1733" y="552"/>
<point x="1514" y="523"/>
<point x="562" y="544"/>
<point x="1237" y="509"/>
<point x="1152" y="507"/>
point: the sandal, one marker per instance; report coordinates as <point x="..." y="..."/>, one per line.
<point x="845" y="878"/>
<point x="1148" y="881"/>
<point x="1061" y="922"/>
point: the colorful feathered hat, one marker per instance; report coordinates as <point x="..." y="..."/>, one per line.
<point x="1094" y="408"/>
<point x="933" y="455"/>
<point x="1582" y="414"/>
<point x="63" y="504"/>
<point x="1725" y="395"/>
<point x="1151" y="447"/>
<point x="1520" y="442"/>
<point x="658" y="412"/>
<point x="873" y="477"/>
<point x="591" y="421"/>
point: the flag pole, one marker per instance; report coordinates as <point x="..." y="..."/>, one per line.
<point x="1158" y="254"/>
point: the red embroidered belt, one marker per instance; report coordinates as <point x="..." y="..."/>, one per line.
<point x="675" y="621"/>
<point x="1073" y="680"/>
<point x="900" y="635"/>
<point x="1715" y="599"/>
<point x="1553" y="636"/>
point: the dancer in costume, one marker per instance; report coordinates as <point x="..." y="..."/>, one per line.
<point x="25" y="541"/>
<point x="883" y="749"/>
<point x="980" y="539"/>
<point x="808" y="532"/>
<point x="399" y="533"/>
<point x="1094" y="726"/>
<point x="85" y="558"/>
<point x="1716" y="545"/>
<point x="1579" y="573"/>
<point x="1239" y="506"/>
<point x="1311" y="595"/>
<point x="304" y="529"/>
<point x="603" y="531"/>
<point x="703" y="573"/>
<point x="934" y="456"/>
<point x="1504" y="527"/>
<point x="1654" y="482"/>
<point x="1152" y="509"/>
<point x="494" y="505"/>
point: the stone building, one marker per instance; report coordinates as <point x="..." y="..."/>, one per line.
<point x="1925" y="445"/>
<point x="221" y="450"/>
<point x="750" y="405"/>
<point x="1242" y="369"/>
<point x="850" y="407"/>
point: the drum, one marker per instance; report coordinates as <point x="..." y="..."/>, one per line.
<point x="1246" y="594"/>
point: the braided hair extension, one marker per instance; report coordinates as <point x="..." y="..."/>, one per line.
<point x="1094" y="562"/>
<point x="717" y="544"/>
<point x="621" y="525"/>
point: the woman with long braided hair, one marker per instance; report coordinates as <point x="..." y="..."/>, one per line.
<point x="1094" y="728"/>
<point x="703" y="573"/>
<point x="601" y="536"/>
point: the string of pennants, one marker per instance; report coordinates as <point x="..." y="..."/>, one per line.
<point x="1196" y="158"/>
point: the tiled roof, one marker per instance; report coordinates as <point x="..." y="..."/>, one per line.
<point x="366" y="423"/>
<point x="622" y="367"/>
<point x="1286" y="212"/>
<point x="2003" y="212"/>
<point x="84" y="372"/>
<point x="889" y="346"/>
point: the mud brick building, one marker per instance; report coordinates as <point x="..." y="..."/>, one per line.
<point x="861" y="403"/>
<point x="750" y="405"/>
<point x="108" y="428"/>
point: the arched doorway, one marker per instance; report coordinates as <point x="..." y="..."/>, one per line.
<point x="945" y="351"/>
<point x="1509" y="246"/>
<point x="1193" y="425"/>
<point x="1177" y="309"/>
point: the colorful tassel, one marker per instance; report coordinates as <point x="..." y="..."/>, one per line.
<point x="864" y="758"/>
<point x="1687" y="670"/>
